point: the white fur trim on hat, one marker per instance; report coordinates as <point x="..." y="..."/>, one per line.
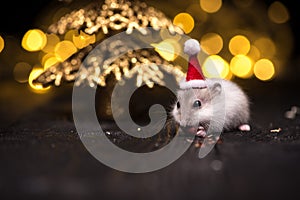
<point x="192" y="84"/>
<point x="191" y="47"/>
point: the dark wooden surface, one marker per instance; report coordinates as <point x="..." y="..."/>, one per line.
<point x="42" y="157"/>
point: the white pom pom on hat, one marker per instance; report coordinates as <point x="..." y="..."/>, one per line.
<point x="191" y="47"/>
<point x="194" y="77"/>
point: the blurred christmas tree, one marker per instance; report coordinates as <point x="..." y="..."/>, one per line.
<point x="89" y="26"/>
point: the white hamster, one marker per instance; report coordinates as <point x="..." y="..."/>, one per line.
<point x="193" y="110"/>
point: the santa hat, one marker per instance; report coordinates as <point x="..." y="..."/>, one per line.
<point x="194" y="77"/>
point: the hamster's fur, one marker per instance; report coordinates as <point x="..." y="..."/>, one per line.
<point x="189" y="113"/>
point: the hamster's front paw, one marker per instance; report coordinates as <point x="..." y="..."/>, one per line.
<point x="201" y="131"/>
<point x="198" y="131"/>
<point x="244" y="127"/>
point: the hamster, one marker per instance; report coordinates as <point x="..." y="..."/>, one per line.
<point x="194" y="107"/>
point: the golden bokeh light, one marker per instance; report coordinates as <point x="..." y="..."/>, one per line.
<point x="21" y="72"/>
<point x="37" y="88"/>
<point x="215" y="66"/>
<point x="264" y="69"/>
<point x="211" y="6"/>
<point x="2" y="44"/>
<point x="45" y="57"/>
<point x="64" y="49"/>
<point x="83" y="40"/>
<point x="211" y="43"/>
<point x="168" y="49"/>
<point x="52" y="40"/>
<point x="278" y="13"/>
<point x="69" y="35"/>
<point x="266" y="47"/>
<point x="50" y="61"/>
<point x="34" y="40"/>
<point x="241" y="66"/>
<point x="254" y="53"/>
<point x="239" y="45"/>
<point x="185" y="21"/>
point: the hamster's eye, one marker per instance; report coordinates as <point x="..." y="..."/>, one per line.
<point x="197" y="104"/>
<point x="178" y="105"/>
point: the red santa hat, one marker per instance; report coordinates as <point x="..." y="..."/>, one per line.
<point x="194" y="77"/>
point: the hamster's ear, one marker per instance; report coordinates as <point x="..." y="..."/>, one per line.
<point x="216" y="89"/>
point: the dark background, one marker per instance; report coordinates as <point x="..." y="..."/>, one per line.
<point x="17" y="18"/>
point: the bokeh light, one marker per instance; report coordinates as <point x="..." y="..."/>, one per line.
<point x="278" y="13"/>
<point x="34" y="40"/>
<point x="168" y="49"/>
<point x="239" y="44"/>
<point x="241" y="66"/>
<point x="185" y="21"/>
<point x="215" y="66"/>
<point x="254" y="53"/>
<point x="2" y="43"/>
<point x="45" y="57"/>
<point x="21" y="72"/>
<point x="52" y="40"/>
<point x="83" y="40"/>
<point x="50" y="61"/>
<point x="211" y="43"/>
<point x="266" y="47"/>
<point x="37" y="88"/>
<point x="69" y="34"/>
<point x="264" y="69"/>
<point x="64" y="49"/>
<point x="211" y="6"/>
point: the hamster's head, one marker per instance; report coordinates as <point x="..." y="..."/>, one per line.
<point x="193" y="109"/>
